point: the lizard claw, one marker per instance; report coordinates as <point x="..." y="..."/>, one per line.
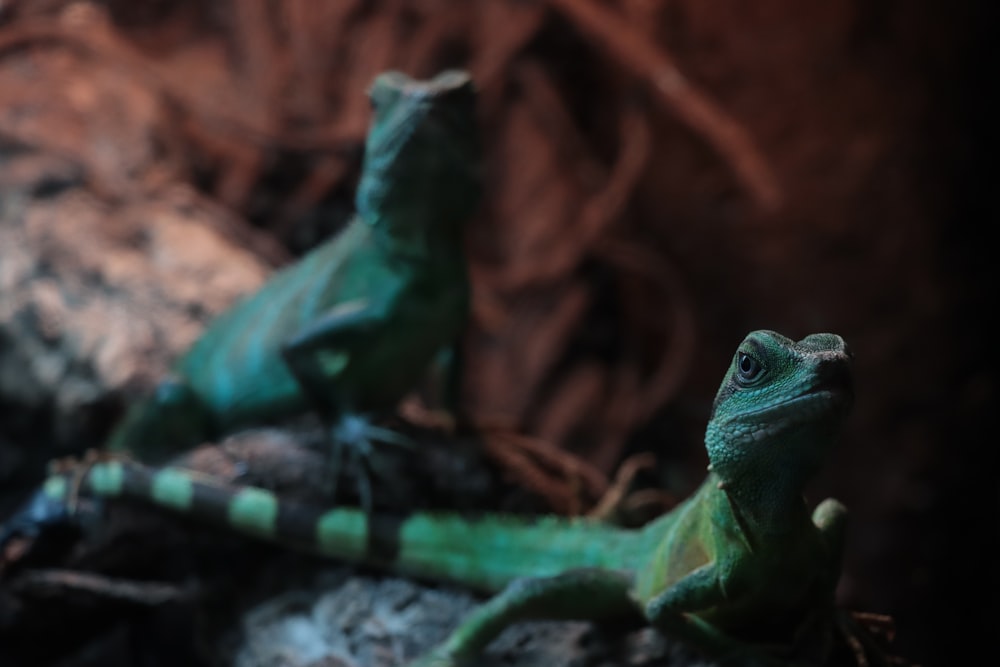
<point x="357" y="430"/>
<point x="352" y="437"/>
<point x="868" y="637"/>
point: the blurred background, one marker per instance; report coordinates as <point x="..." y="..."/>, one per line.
<point x="662" y="177"/>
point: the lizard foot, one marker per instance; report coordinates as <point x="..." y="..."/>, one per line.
<point x="352" y="439"/>
<point x="839" y="636"/>
<point x="868" y="636"/>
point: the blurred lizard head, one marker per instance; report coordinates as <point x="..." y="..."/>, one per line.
<point x="422" y="156"/>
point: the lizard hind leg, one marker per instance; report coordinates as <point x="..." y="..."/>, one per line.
<point x="582" y="594"/>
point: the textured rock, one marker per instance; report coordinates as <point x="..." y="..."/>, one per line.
<point x="351" y="619"/>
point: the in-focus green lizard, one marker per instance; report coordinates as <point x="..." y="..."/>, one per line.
<point x="741" y="556"/>
<point x="352" y="326"/>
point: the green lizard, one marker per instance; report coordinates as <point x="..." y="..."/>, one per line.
<point x="741" y="553"/>
<point x="352" y="326"/>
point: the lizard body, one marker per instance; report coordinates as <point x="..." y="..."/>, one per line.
<point x="351" y="327"/>
<point x="743" y="552"/>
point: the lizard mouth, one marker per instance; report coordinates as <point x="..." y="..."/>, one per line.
<point x="824" y="400"/>
<point x="819" y="408"/>
<point x="809" y="405"/>
<point x="832" y="391"/>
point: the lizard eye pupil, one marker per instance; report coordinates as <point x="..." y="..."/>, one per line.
<point x="749" y="368"/>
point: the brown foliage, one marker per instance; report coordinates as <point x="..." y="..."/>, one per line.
<point x="224" y="92"/>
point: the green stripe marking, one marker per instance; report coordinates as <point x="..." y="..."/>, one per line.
<point x="255" y="511"/>
<point x="56" y="487"/>
<point x="343" y="533"/>
<point x="173" y="489"/>
<point x="107" y="479"/>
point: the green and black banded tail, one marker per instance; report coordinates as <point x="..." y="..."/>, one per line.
<point x="485" y="552"/>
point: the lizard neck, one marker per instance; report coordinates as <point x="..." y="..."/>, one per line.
<point x="763" y="486"/>
<point x="763" y="510"/>
<point x="422" y="237"/>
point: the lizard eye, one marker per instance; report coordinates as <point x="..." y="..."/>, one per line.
<point x="748" y="369"/>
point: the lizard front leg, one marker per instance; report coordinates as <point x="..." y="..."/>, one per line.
<point x="586" y="594"/>
<point x="673" y="612"/>
<point x="317" y="357"/>
<point x="830" y="518"/>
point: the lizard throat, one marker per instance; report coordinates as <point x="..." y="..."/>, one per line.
<point x="783" y="444"/>
<point x="805" y="407"/>
<point x="748" y="431"/>
<point x="417" y="241"/>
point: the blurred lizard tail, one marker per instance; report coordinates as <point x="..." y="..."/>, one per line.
<point x="484" y="553"/>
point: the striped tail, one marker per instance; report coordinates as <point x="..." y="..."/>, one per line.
<point x="485" y="552"/>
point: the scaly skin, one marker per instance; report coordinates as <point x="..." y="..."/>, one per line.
<point x="351" y="327"/>
<point x="740" y="557"/>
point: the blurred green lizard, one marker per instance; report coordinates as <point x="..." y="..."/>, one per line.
<point x="741" y="556"/>
<point x="352" y="326"/>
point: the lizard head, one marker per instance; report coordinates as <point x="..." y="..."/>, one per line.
<point x="779" y="408"/>
<point x="421" y="165"/>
